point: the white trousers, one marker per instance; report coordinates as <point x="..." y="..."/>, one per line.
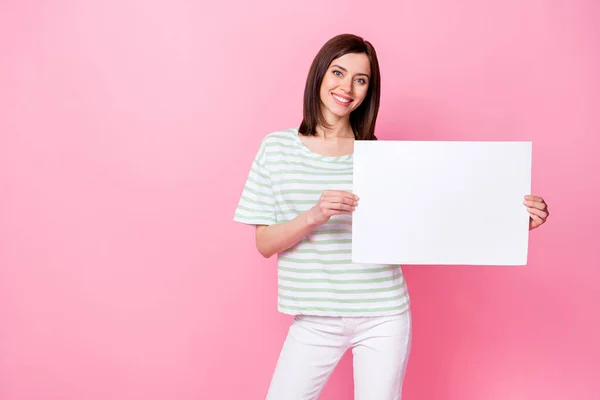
<point x="314" y="345"/>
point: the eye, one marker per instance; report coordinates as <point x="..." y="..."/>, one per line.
<point x="337" y="72"/>
<point x="362" y="81"/>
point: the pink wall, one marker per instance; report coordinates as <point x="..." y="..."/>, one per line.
<point x="126" y="131"/>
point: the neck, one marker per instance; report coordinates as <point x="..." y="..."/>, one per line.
<point x="338" y="127"/>
<point x="335" y="132"/>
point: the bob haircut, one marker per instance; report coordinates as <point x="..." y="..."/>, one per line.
<point x="362" y="119"/>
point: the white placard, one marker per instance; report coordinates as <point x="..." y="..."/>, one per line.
<point x="435" y="202"/>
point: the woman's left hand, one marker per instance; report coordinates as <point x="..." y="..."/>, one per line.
<point x="538" y="210"/>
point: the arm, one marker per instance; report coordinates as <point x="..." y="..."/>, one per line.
<point x="276" y="238"/>
<point x="272" y="239"/>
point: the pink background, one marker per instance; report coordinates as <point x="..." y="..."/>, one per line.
<point x="127" y="128"/>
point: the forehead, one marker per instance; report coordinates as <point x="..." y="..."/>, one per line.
<point x="355" y="63"/>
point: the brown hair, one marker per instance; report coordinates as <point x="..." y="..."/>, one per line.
<point x="364" y="117"/>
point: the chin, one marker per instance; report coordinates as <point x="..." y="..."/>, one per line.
<point x="341" y="113"/>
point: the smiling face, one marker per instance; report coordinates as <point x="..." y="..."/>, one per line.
<point x="344" y="86"/>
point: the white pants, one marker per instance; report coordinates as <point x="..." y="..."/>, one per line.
<point x="314" y="345"/>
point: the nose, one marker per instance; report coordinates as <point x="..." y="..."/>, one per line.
<point x="346" y="84"/>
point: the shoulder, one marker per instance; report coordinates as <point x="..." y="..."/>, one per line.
<point x="273" y="143"/>
<point x="284" y="137"/>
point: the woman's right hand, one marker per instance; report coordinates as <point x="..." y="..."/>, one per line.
<point x="276" y="238"/>
<point x="332" y="202"/>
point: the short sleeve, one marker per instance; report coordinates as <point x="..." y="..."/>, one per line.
<point x="257" y="202"/>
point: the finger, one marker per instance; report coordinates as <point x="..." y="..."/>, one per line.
<point x="539" y="213"/>
<point x="536" y="204"/>
<point x="537" y="220"/>
<point x="340" y="193"/>
<point x="336" y="206"/>
<point x="331" y="212"/>
<point x="339" y="212"/>
<point x="532" y="197"/>
<point x="341" y="199"/>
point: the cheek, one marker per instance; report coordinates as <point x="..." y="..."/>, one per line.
<point x="323" y="93"/>
<point x="326" y="85"/>
<point x="362" y="93"/>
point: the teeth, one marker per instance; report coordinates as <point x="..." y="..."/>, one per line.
<point x="340" y="99"/>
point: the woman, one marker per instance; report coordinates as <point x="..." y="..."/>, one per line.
<point x="299" y="197"/>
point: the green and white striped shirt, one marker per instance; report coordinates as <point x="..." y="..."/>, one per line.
<point x="316" y="276"/>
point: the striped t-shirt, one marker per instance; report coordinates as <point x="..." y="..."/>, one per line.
<point x="316" y="276"/>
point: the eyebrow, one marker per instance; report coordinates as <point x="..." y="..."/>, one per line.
<point x="345" y="70"/>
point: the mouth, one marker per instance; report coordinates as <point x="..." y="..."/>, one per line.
<point x="342" y="100"/>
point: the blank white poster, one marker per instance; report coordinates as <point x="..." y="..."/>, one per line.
<point x="446" y="203"/>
